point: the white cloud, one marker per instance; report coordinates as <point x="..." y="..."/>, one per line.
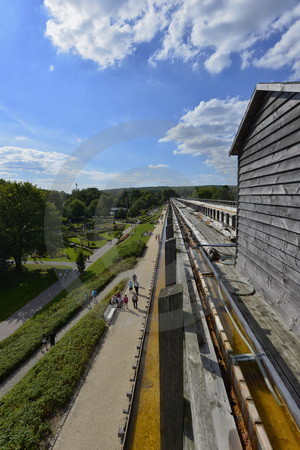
<point x="209" y="130"/>
<point x="285" y="52"/>
<point x="48" y="169"/>
<point x="9" y="175"/>
<point x="51" y="68"/>
<point x="157" y="166"/>
<point x="18" y="158"/>
<point x="207" y="32"/>
<point x="21" y="138"/>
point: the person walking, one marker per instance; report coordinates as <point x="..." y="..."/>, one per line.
<point x="94" y="295"/>
<point x="86" y="299"/>
<point x="130" y="285"/>
<point x="136" y="287"/>
<point x="52" y="339"/>
<point x="44" y="343"/>
<point x="135" y="300"/>
<point x="134" y="277"/>
<point x="125" y="302"/>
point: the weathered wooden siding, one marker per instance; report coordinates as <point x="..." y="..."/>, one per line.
<point x="269" y="204"/>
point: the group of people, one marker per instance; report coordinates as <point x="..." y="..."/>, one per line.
<point x="48" y="340"/>
<point x="89" y="297"/>
<point x="120" y="302"/>
<point x="66" y="273"/>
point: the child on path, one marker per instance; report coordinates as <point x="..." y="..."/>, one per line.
<point x="52" y="338"/>
<point x="136" y="287"/>
<point x="125" y="302"/>
<point x="130" y="285"/>
<point x="44" y="343"/>
<point x="135" y="300"/>
<point x="86" y="299"/>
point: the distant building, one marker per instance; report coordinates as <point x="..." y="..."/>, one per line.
<point x="114" y="210"/>
<point x="268" y="230"/>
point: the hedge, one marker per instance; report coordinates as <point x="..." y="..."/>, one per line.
<point x="18" y="347"/>
<point x="26" y="411"/>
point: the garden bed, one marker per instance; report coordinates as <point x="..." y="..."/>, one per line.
<point x="26" y="411"/>
<point x="18" y="347"/>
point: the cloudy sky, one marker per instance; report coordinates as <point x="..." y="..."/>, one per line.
<point x="134" y="93"/>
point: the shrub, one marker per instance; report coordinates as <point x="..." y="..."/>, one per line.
<point x="15" y="349"/>
<point x="80" y="262"/>
<point x="25" y="412"/>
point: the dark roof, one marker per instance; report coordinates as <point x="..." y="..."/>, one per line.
<point x="257" y="96"/>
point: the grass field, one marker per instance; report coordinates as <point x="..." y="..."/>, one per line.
<point x="21" y="288"/>
<point x="70" y="251"/>
<point x="108" y="258"/>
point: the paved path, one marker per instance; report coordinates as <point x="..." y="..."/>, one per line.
<point x="10" y="325"/>
<point x="16" y="376"/>
<point x="96" y="414"/>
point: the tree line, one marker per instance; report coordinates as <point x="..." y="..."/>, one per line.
<point x="32" y="220"/>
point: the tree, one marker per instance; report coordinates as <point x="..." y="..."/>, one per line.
<point x="80" y="262"/>
<point x="22" y="213"/>
<point x="74" y="209"/>
<point x="53" y="230"/>
<point x="167" y="194"/>
<point x="104" y="205"/>
<point x="207" y="192"/>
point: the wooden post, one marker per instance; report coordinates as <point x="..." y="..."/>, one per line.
<point x="169" y="231"/>
<point x="170" y="261"/>
<point x="233" y="222"/>
<point x="170" y="305"/>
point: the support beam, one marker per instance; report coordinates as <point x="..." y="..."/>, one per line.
<point x="169" y="231"/>
<point x="170" y="311"/>
<point x="170" y="261"/>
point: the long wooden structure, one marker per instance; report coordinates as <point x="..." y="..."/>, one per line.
<point x="268" y="231"/>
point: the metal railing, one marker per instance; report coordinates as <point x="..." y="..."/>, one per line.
<point x="213" y="201"/>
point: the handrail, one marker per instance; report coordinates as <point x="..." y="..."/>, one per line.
<point x="214" y="201"/>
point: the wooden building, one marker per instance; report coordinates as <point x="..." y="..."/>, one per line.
<point x="268" y="230"/>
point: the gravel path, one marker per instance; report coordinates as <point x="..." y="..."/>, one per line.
<point x="96" y="414"/>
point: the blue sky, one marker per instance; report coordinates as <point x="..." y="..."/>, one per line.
<point x="125" y="93"/>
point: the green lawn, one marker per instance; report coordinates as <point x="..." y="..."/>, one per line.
<point x="112" y="255"/>
<point x="21" y="288"/>
<point x="72" y="253"/>
<point x="107" y="235"/>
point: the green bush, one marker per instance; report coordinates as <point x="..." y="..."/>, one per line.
<point x="25" y="412"/>
<point x="18" y="347"/>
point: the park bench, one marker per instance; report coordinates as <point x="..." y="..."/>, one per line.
<point x="109" y="313"/>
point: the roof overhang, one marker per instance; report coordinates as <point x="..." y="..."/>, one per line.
<point x="257" y="96"/>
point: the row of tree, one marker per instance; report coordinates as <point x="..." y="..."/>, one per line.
<point x="90" y="202"/>
<point x="29" y="223"/>
<point x="31" y="218"/>
<point x="216" y="193"/>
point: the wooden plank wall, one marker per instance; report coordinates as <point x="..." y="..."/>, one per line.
<point x="269" y="205"/>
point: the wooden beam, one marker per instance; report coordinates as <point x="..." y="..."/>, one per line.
<point x="170" y="316"/>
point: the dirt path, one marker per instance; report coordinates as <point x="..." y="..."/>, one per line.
<point x="96" y="414"/>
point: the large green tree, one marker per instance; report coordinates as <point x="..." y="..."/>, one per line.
<point x="74" y="209"/>
<point x="22" y="214"/>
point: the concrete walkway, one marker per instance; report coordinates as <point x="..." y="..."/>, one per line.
<point x="96" y="414"/>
